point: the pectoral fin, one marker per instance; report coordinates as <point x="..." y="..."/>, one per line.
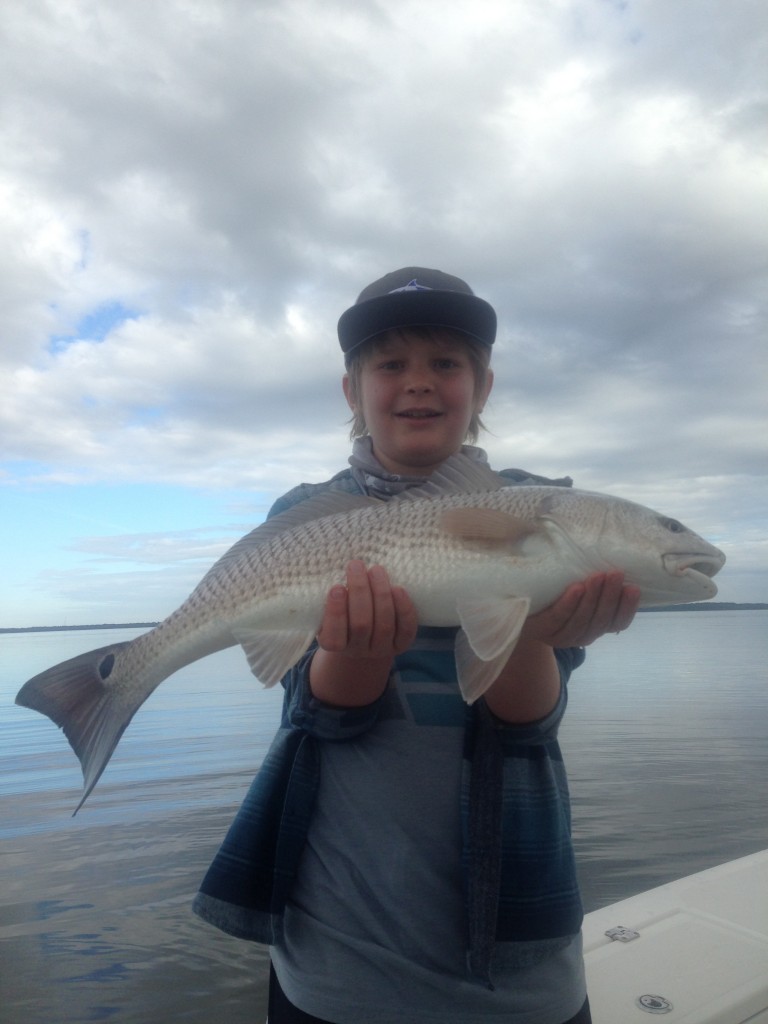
<point x="486" y="524"/>
<point x="271" y="653"/>
<point x="490" y="629"/>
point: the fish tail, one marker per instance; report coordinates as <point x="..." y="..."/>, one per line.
<point x="80" y="698"/>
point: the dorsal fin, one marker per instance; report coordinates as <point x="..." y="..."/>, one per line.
<point x="327" y="504"/>
<point x="458" y="475"/>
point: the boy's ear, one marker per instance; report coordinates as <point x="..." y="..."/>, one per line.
<point x="346" y="385"/>
<point x="483" y="398"/>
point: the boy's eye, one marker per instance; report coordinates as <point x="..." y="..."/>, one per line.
<point x="442" y="363"/>
<point x="448" y="364"/>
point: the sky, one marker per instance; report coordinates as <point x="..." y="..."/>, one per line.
<point x="192" y="192"/>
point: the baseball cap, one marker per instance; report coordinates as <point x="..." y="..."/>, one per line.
<point x="416" y="297"/>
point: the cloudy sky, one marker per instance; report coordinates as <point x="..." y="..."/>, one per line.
<point x="192" y="191"/>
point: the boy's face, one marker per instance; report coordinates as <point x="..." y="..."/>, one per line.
<point x="418" y="396"/>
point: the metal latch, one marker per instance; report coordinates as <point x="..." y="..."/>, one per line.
<point x="621" y="934"/>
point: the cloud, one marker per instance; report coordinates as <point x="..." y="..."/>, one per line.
<point x="192" y="192"/>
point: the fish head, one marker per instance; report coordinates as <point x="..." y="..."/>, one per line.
<point x="668" y="561"/>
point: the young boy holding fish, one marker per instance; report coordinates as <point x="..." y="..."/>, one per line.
<point x="407" y="856"/>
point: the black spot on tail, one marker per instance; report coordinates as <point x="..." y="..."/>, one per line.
<point x="106" y="666"/>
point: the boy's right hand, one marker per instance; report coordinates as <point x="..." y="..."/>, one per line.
<point x="364" y="626"/>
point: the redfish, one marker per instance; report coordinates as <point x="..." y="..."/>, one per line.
<point x="471" y="552"/>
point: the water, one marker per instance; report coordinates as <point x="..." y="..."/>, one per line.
<point x="666" y="740"/>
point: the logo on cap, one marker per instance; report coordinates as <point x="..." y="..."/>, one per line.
<point x="412" y="286"/>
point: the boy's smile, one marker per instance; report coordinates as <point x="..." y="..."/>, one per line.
<point x="418" y="396"/>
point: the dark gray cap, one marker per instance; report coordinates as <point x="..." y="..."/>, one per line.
<point x="416" y="297"/>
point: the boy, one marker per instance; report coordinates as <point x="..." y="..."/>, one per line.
<point x="408" y="857"/>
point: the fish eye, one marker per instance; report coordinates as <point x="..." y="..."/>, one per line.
<point x="672" y="525"/>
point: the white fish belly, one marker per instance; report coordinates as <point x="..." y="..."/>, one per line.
<point x="298" y="607"/>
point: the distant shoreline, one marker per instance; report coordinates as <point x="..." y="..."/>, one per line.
<point x="709" y="606"/>
<point x="65" y="629"/>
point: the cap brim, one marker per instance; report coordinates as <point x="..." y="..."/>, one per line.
<point x="423" y="308"/>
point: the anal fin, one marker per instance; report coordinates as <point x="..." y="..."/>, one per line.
<point x="272" y="652"/>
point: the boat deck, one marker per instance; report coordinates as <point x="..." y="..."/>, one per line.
<point x="694" y="951"/>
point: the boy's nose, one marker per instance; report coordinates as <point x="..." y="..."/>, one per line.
<point x="420" y="382"/>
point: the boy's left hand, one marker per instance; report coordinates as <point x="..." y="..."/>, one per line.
<point x="586" y="611"/>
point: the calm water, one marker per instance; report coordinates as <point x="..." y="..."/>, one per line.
<point x="666" y="739"/>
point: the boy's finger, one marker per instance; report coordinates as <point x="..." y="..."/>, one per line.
<point x="611" y="605"/>
<point x="383" y="625"/>
<point x="333" y="634"/>
<point x="630" y="602"/>
<point x="359" y="604"/>
<point x="406" y="619"/>
<point x="602" y="599"/>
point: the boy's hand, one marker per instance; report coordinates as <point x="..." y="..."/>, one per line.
<point x="586" y="611"/>
<point x="369" y="618"/>
<point x="365" y="624"/>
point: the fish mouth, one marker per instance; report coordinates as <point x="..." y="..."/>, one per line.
<point x="696" y="564"/>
